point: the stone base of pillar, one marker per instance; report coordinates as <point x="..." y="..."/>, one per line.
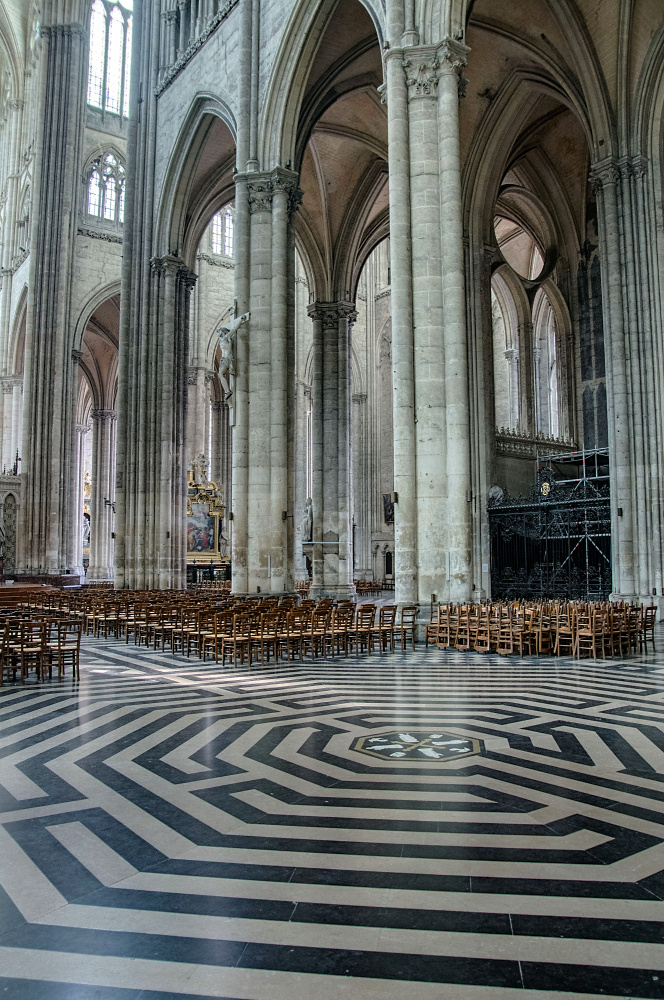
<point x="99" y="573"/>
<point x="645" y="599"/>
<point x="336" y="591"/>
<point x="48" y="579"/>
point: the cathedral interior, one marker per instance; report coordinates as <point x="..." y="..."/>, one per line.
<point x="332" y="298"/>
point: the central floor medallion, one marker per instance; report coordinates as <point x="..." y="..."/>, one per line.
<point x="410" y="744"/>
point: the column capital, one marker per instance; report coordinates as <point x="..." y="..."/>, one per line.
<point x="421" y="66"/>
<point x="82" y="429"/>
<point x="10" y="381"/>
<point x="604" y="173"/>
<point x="329" y="313"/>
<point x="76" y="356"/>
<point x="102" y="415"/>
<point x="175" y="267"/>
<point x="452" y="55"/>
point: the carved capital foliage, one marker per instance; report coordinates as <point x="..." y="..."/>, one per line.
<point x="330" y="313"/>
<point x="421" y="67"/>
<point x="452" y="55"/>
<point x="603" y="174"/>
<point x="174" y="267"/>
<point x="101" y="416"/>
<point x="260" y="189"/>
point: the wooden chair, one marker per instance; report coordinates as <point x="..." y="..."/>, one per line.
<point x="384" y="629"/>
<point x="647" y="631"/>
<point x="29" y="651"/>
<point x="239" y="638"/>
<point x="591" y="633"/>
<point x="407" y="625"/>
<point x="66" y="649"/>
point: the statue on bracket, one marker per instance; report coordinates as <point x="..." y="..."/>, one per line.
<point x="307" y="522"/>
<point x="227" y="344"/>
<point x="199" y="467"/>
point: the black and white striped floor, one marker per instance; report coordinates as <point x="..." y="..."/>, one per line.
<point x="422" y="826"/>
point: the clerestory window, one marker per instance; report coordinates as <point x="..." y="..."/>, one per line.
<point x="221" y="237"/>
<point x="110" y="56"/>
<point x="106" y="188"/>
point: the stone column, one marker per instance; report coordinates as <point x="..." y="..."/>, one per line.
<point x="634" y="372"/>
<point x="405" y="453"/>
<point x="151" y="479"/>
<point x="605" y="177"/>
<point x="361" y="493"/>
<point x="332" y="562"/>
<point x="45" y="518"/>
<point x="77" y="520"/>
<point x="452" y="57"/>
<point x="198" y="413"/>
<point x="103" y="495"/>
<point x="422" y="70"/>
<point x="302" y="395"/>
<point x="8" y="433"/>
<point x="262" y="366"/>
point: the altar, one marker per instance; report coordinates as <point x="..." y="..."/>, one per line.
<point x="207" y="546"/>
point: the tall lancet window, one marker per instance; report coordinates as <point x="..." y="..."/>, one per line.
<point x="110" y="56"/>
<point x="221" y="232"/>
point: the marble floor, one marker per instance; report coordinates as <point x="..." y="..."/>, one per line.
<point x="422" y="826"/>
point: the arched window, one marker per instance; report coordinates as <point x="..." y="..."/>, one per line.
<point x="506" y="371"/>
<point x="545" y="366"/>
<point x="106" y="181"/>
<point x="221" y="232"/>
<point x="110" y="56"/>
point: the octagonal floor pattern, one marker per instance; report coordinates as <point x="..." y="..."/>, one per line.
<point x="171" y="829"/>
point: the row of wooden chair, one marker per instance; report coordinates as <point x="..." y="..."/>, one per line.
<point x="555" y="628"/>
<point x="32" y="642"/>
<point x="262" y="627"/>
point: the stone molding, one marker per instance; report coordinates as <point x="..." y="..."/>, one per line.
<point x="521" y="445"/>
<point x="193" y="48"/>
<point x="100" y="234"/>
<point x="216" y="262"/>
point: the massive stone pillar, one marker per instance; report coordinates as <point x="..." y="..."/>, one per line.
<point x="332" y="539"/>
<point x="430" y="356"/>
<point x="634" y="372"/>
<point x="45" y="540"/>
<point x="405" y="456"/>
<point x="451" y="59"/>
<point x="103" y="495"/>
<point x="262" y="556"/>
<point x="151" y="460"/>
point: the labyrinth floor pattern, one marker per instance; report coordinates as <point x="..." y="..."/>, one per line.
<point x="435" y="826"/>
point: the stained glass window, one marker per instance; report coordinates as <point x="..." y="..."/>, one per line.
<point x="110" y="56"/>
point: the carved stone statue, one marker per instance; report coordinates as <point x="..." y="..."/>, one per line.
<point x="199" y="467"/>
<point x="307" y="522"/>
<point x="86" y="533"/>
<point x="227" y="342"/>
